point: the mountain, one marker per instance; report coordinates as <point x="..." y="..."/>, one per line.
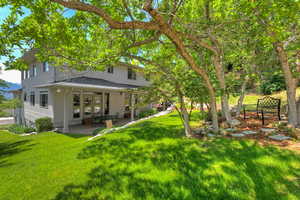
<point x="11" y="86"/>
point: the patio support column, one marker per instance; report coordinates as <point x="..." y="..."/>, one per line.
<point x="102" y="109"/>
<point x="66" y="113"/>
<point x="81" y="104"/>
<point x="132" y="107"/>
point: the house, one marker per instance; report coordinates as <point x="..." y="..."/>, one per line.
<point x="71" y="97"/>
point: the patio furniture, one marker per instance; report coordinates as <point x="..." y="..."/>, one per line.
<point x="265" y="105"/>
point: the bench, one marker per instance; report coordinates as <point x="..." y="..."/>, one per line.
<point x="264" y="106"/>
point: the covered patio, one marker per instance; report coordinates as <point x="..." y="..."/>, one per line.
<point x="80" y="105"/>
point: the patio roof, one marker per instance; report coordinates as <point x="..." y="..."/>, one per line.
<point x="87" y="82"/>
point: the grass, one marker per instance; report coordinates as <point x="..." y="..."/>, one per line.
<point x="252" y="98"/>
<point x="150" y="160"/>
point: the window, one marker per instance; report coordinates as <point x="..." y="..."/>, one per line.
<point x="131" y="74"/>
<point x="44" y="99"/>
<point x="98" y="104"/>
<point x="76" y="106"/>
<point x="33" y="71"/>
<point x="87" y="101"/>
<point x="45" y="67"/>
<point x="110" y="69"/>
<point x="26" y="74"/>
<point x="32" y="98"/>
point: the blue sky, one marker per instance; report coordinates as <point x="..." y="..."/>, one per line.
<point x="10" y="75"/>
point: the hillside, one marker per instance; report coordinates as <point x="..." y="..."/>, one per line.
<point x="11" y="86"/>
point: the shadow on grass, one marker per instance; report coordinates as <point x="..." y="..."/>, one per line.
<point x="8" y="149"/>
<point x="151" y="161"/>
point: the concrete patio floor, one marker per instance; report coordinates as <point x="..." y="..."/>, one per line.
<point x="89" y="129"/>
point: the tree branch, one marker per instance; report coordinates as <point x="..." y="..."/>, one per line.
<point x="114" y="24"/>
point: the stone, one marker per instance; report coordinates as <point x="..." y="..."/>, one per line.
<point x="230" y="130"/>
<point x="211" y="135"/>
<point x="268" y="130"/>
<point x="295" y="133"/>
<point x="224" y="125"/>
<point x="249" y="132"/>
<point x="279" y="137"/>
<point x="290" y="126"/>
<point x="283" y="122"/>
<point x="237" y="135"/>
<point x="235" y="122"/>
<point x="199" y="131"/>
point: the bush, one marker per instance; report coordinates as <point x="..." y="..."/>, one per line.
<point x="44" y="124"/>
<point x="147" y="113"/>
<point x="19" y="129"/>
<point x="273" y="84"/>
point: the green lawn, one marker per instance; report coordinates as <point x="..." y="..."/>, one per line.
<point x="252" y="98"/>
<point x="150" y="160"/>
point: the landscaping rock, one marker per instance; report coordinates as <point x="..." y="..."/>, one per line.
<point x="283" y="122"/>
<point x="231" y="130"/>
<point x="235" y="122"/>
<point x="224" y="125"/>
<point x="295" y="133"/>
<point x="199" y="131"/>
<point x="237" y="135"/>
<point x="268" y="130"/>
<point x="249" y="132"/>
<point x="279" y="137"/>
<point x="211" y="135"/>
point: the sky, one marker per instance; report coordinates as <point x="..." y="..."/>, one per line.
<point x="13" y="76"/>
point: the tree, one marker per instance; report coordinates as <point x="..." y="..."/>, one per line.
<point x="167" y="82"/>
<point x="277" y="24"/>
<point x="84" y="41"/>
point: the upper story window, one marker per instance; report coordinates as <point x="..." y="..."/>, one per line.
<point x="32" y="98"/>
<point x="33" y="71"/>
<point x="26" y="75"/>
<point x="46" y="67"/>
<point x="110" y="69"/>
<point x="44" y="99"/>
<point x="131" y="74"/>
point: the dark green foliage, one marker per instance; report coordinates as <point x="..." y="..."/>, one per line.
<point x="4" y="114"/>
<point x="147" y="113"/>
<point x="272" y="84"/>
<point x="44" y="124"/>
<point x="19" y="129"/>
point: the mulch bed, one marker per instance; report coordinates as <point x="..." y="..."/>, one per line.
<point x="254" y="124"/>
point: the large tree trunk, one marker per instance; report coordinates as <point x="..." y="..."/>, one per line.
<point x="221" y="78"/>
<point x="242" y="96"/>
<point x="291" y="84"/>
<point x="185" y="115"/>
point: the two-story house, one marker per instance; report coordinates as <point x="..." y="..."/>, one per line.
<point x="69" y="97"/>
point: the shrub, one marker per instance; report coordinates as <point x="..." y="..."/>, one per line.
<point x="19" y="129"/>
<point x="147" y="113"/>
<point x="273" y="84"/>
<point x="44" y="124"/>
